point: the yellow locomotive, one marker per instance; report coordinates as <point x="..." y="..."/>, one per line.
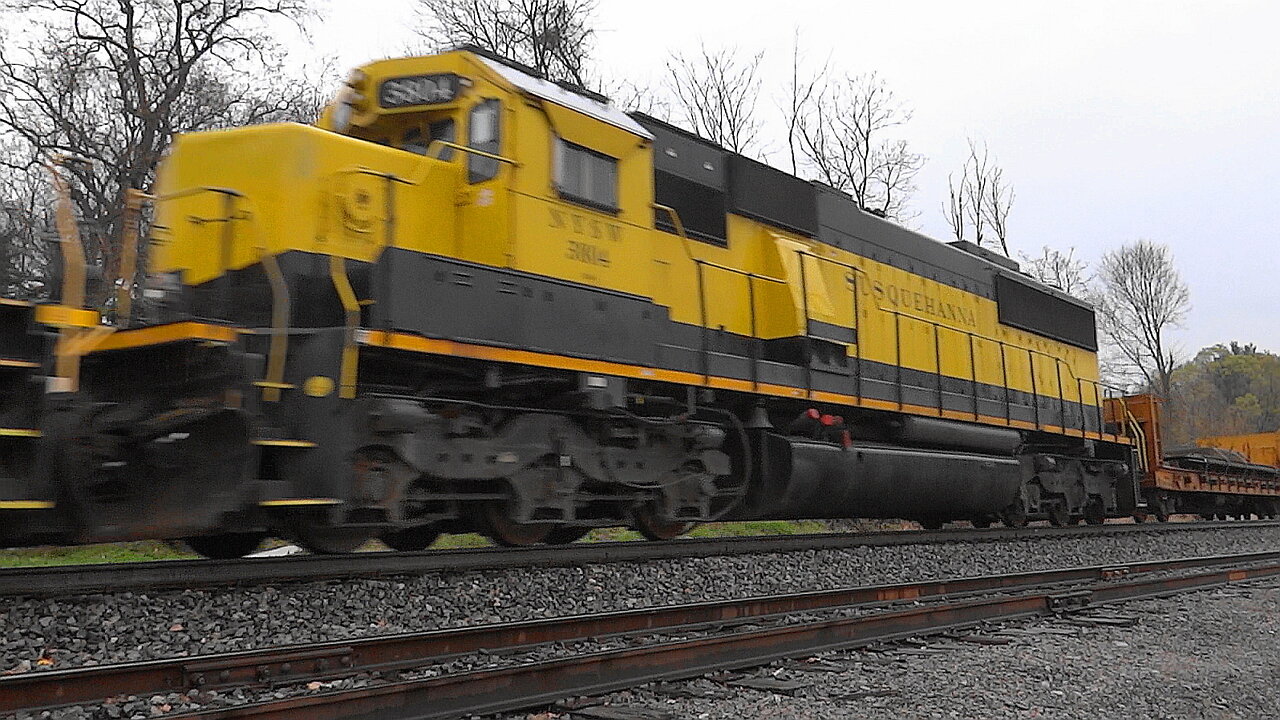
<point x="471" y="298"/>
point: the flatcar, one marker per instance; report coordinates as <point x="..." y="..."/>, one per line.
<point x="469" y="298"/>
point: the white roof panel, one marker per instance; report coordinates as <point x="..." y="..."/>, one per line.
<point x="552" y="92"/>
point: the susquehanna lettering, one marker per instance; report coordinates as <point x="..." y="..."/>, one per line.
<point x="906" y="298"/>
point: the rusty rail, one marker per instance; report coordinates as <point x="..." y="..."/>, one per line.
<point x="302" y="664"/>
<point x="61" y="581"/>
<point x="528" y="685"/>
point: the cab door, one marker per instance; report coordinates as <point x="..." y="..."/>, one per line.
<point x="484" y="233"/>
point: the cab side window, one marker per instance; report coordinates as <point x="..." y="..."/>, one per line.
<point x="415" y="141"/>
<point x="482" y="127"/>
<point x="585" y="176"/>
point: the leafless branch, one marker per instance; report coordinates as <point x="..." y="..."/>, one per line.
<point x="981" y="200"/>
<point x="554" y="37"/>
<point x="1059" y="270"/>
<point x="979" y="166"/>
<point x="997" y="202"/>
<point x="113" y="80"/>
<point x="801" y="88"/>
<point x="715" y="94"/>
<point x="844" y="132"/>
<point x="957" y="198"/>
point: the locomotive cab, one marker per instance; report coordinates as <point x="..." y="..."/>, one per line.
<point x="280" y="253"/>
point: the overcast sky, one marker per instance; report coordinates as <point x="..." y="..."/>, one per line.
<point x="1114" y="120"/>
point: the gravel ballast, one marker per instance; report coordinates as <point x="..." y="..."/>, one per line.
<point x="40" y="634"/>
<point x="1207" y="654"/>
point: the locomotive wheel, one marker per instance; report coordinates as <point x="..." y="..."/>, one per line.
<point x="1160" y="511"/>
<point x="932" y="524"/>
<point x="653" y="527"/>
<point x="1094" y="512"/>
<point x="981" y="523"/>
<point x="227" y="546"/>
<point x="331" y="540"/>
<point x="566" y="534"/>
<point x="498" y="527"/>
<point x="1015" y="516"/>
<point x="417" y="537"/>
<point x="1059" y="515"/>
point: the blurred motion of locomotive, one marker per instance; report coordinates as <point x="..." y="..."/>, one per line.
<point x="473" y="299"/>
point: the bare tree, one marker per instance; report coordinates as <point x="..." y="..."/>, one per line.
<point x="26" y="248"/>
<point x="844" y="132"/>
<point x="631" y="95"/>
<point x="801" y="88"/>
<point x="715" y="94"/>
<point x="997" y="202"/>
<point x="111" y="81"/>
<point x="554" y="37"/>
<point x="977" y="177"/>
<point x="1060" y="270"/>
<point x="957" y="207"/>
<point x="1140" y="298"/>
<point x="981" y="200"/>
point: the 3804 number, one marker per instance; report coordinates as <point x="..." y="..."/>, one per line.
<point x="587" y="253"/>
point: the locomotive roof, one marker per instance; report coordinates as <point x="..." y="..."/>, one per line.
<point x="839" y="220"/>
<point x="552" y="92"/>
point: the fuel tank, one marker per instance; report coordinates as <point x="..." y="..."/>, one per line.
<point x="808" y="479"/>
<point x="951" y="435"/>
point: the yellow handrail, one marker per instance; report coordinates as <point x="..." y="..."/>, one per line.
<point x="73" y="261"/>
<point x="280" y="303"/>
<point x="279" y="344"/>
<point x="73" y="342"/>
<point x="342" y="284"/>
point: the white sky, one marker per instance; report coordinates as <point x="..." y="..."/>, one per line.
<point x="1114" y="120"/>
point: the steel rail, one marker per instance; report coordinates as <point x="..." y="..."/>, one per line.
<point x="304" y="663"/>
<point x="532" y="684"/>
<point x="68" y="580"/>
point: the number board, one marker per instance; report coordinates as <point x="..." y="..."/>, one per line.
<point x="413" y="90"/>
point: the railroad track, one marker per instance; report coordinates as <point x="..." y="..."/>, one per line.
<point x="531" y="663"/>
<point x="81" y="579"/>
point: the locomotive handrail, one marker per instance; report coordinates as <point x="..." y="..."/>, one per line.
<point x="73" y="260"/>
<point x="351" y="306"/>
<point x="679" y="226"/>
<point x="751" y="277"/>
<point x="1059" y="363"/>
<point x="803" y="253"/>
<point x="466" y="149"/>
<point x="278" y="344"/>
<point x="230" y="197"/>
<point x="937" y="328"/>
<point x="1144" y="462"/>
<point x="436" y="147"/>
<point x="74" y="272"/>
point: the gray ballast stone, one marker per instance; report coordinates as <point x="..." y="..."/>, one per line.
<point x="127" y="626"/>
<point x="1199" y="655"/>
